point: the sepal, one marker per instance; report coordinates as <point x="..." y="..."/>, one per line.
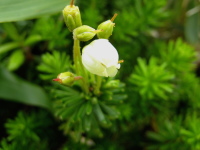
<point x="84" y="33"/>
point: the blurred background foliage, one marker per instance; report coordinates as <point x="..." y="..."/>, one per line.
<point x="157" y="107"/>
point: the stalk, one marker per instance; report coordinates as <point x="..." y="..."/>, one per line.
<point x="98" y="85"/>
<point x="79" y="68"/>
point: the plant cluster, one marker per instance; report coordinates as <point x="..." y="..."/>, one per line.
<point x="64" y="85"/>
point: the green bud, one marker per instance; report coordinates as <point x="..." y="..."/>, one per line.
<point x="65" y="78"/>
<point x="70" y="23"/>
<point x="72" y="17"/>
<point x="106" y="28"/>
<point x="84" y="33"/>
<point x="112" y="84"/>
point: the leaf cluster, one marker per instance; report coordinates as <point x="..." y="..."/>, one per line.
<point x="87" y="114"/>
<point x="53" y="64"/>
<point x="178" y="133"/>
<point x="153" y="80"/>
<point x="25" y="131"/>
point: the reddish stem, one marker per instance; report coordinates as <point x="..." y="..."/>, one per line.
<point x="72" y="3"/>
<point x="113" y="18"/>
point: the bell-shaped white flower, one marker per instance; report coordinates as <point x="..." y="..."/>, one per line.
<point x="101" y="58"/>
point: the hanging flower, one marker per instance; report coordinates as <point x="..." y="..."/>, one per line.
<point x="101" y="58"/>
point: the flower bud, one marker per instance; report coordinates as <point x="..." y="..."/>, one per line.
<point x="65" y="78"/>
<point x="112" y="84"/>
<point x="101" y="58"/>
<point x="84" y="33"/>
<point x="72" y="17"/>
<point x="106" y="28"/>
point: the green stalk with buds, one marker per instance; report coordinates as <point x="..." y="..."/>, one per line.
<point x="93" y="65"/>
<point x="93" y="59"/>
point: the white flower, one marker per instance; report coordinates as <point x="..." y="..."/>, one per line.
<point x="101" y="58"/>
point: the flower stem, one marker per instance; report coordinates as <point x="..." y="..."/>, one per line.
<point x="75" y="59"/>
<point x="98" y="85"/>
<point x="80" y="70"/>
<point x="71" y="2"/>
<point x="113" y="18"/>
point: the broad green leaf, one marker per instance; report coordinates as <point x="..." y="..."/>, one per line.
<point x="16" y="60"/>
<point x="192" y="28"/>
<point x="18" y="90"/>
<point x="27" y="9"/>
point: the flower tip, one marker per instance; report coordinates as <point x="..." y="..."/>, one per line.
<point x="120" y="61"/>
<point x="71" y="3"/>
<point x="113" y="18"/>
<point x="57" y="80"/>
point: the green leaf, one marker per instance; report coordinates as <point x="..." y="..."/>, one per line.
<point x="53" y="64"/>
<point x="192" y="28"/>
<point x="88" y="108"/>
<point x="26" y="9"/>
<point x="11" y="30"/>
<point x="110" y="111"/>
<point x="16" y="60"/>
<point x="32" y="39"/>
<point x="99" y="114"/>
<point x="152" y="79"/>
<point x="18" y="90"/>
<point x="87" y="122"/>
<point x="8" y="46"/>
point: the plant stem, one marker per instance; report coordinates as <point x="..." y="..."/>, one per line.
<point x="92" y="78"/>
<point x="79" y="68"/>
<point x="98" y="85"/>
<point x="75" y="59"/>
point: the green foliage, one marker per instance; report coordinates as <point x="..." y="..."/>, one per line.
<point x="93" y="19"/>
<point x="190" y="91"/>
<point x="192" y="25"/>
<point x="19" y="45"/>
<point x="168" y="133"/>
<point x="21" y="48"/>
<point x="158" y="109"/>
<point x="51" y="29"/>
<point x="174" y="71"/>
<point x="153" y="80"/>
<point x="190" y="133"/>
<point x="24" y="132"/>
<point x="177" y="134"/>
<point x="22" y="128"/>
<point x="53" y="64"/>
<point x="22" y="91"/>
<point x="179" y="56"/>
<point x="81" y="113"/>
<point x="16" y="60"/>
<point x="148" y="16"/>
<point x="6" y="146"/>
<point x="28" y="9"/>
<point x="87" y="143"/>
